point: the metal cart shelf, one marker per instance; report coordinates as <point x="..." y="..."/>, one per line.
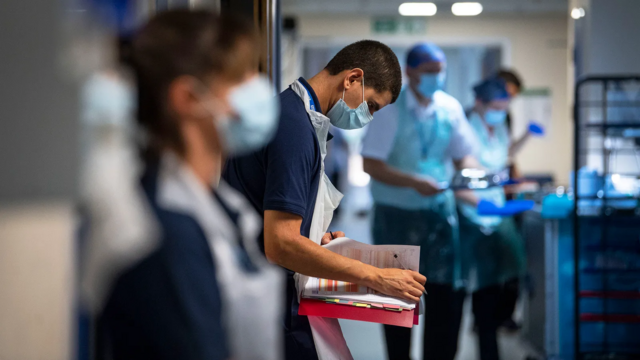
<point x="606" y="244"/>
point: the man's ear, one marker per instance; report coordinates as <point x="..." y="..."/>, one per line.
<point x="352" y="76"/>
<point x="183" y="100"/>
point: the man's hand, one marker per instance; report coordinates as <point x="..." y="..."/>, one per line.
<point x="467" y="196"/>
<point x="330" y="236"/>
<point x="426" y="187"/>
<point x="405" y="284"/>
<point x="284" y="246"/>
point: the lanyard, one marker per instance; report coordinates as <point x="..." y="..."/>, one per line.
<point x="425" y="143"/>
<point x="312" y="104"/>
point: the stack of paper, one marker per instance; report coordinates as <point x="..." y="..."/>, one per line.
<point x="398" y="317"/>
<point x="381" y="256"/>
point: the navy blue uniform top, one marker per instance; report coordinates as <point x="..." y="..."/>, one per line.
<point x="284" y="176"/>
<point x="168" y="305"/>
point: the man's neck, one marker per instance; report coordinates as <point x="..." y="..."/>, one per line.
<point x="324" y="85"/>
<point x="206" y="165"/>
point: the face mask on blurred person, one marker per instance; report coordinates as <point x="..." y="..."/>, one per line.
<point x="107" y="100"/>
<point x="254" y="117"/>
<point x="344" y="117"/>
<point x="430" y="83"/>
<point x="495" y="117"/>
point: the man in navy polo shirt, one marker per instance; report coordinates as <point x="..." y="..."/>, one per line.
<point x="283" y="180"/>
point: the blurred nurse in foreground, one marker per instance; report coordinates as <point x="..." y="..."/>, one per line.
<point x="204" y="289"/>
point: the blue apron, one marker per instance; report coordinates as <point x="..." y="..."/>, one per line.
<point x="493" y="155"/>
<point x="402" y="215"/>
<point x="493" y="249"/>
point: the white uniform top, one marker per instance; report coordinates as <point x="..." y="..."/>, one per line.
<point x="381" y="133"/>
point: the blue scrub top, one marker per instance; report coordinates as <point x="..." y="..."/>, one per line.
<point x="168" y="305"/>
<point x="285" y="176"/>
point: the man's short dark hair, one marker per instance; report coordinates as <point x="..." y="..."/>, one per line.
<point x="510" y="76"/>
<point x="379" y="63"/>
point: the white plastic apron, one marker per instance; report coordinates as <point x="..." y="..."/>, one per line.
<point x="122" y="227"/>
<point x="251" y="301"/>
<point x="327" y="335"/>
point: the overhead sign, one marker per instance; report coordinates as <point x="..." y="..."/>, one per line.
<point x="399" y="26"/>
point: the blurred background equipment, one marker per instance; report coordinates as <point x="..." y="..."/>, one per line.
<point x="606" y="227"/>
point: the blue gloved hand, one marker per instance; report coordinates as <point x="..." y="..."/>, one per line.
<point x="536" y="129"/>
<point x="518" y="206"/>
<point x="486" y="207"/>
<point x="511" y="207"/>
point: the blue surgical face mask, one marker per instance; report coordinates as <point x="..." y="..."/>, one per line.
<point x="430" y="83"/>
<point x="495" y="117"/>
<point x="256" y="120"/>
<point x="344" y="117"/>
<point x="107" y="101"/>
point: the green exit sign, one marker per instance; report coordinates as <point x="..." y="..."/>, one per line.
<point x="398" y="26"/>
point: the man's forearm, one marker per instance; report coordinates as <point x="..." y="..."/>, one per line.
<point x="467" y="196"/>
<point x="467" y="162"/>
<point x="517" y="145"/>
<point x="306" y="257"/>
<point x="286" y="247"/>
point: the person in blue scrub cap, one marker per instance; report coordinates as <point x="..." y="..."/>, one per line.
<point x="428" y="63"/>
<point x="493" y="248"/>
<point x="515" y="86"/>
<point x="409" y="150"/>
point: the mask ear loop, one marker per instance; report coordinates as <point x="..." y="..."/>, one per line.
<point x="210" y="105"/>
<point x="343" y="90"/>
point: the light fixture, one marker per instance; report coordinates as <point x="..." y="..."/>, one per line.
<point x="577" y="13"/>
<point x="466" y="8"/>
<point x="417" y="9"/>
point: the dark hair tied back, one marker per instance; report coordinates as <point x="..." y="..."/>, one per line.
<point x="182" y="42"/>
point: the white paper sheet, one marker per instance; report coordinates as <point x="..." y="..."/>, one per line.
<point x="381" y="256"/>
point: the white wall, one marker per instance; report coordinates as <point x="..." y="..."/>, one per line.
<point x="36" y="278"/>
<point x="534" y="45"/>
<point x="606" y="41"/>
<point x="612" y="34"/>
<point x="38" y="171"/>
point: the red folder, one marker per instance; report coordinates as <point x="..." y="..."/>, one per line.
<point x="311" y="307"/>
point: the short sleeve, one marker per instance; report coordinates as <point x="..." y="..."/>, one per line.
<point x="292" y="161"/>
<point x="381" y="132"/>
<point x="463" y="139"/>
